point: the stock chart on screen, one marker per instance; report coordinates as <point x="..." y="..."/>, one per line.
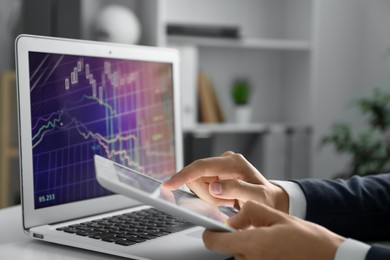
<point x="81" y="106"/>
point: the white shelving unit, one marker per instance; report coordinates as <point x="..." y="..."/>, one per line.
<point x="260" y="44"/>
<point x="274" y="55"/>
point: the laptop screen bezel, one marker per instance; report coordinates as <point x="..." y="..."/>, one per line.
<point x="28" y="43"/>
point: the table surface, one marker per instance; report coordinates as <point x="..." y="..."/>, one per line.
<point x="15" y="244"/>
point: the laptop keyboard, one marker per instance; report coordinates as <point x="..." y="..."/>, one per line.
<point x="129" y="228"/>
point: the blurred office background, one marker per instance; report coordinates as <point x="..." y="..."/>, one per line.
<point x="303" y="62"/>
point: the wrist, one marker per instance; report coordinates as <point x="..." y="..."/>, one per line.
<point x="332" y="245"/>
<point x="281" y="199"/>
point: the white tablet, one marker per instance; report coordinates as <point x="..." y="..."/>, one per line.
<point x="181" y="204"/>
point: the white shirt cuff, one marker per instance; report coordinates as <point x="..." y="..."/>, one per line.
<point x="352" y="249"/>
<point x="297" y="199"/>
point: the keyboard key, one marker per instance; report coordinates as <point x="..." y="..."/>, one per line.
<point x="110" y="238"/>
<point x="82" y="233"/>
<point x="70" y="230"/>
<point x="124" y="242"/>
<point x="135" y="239"/>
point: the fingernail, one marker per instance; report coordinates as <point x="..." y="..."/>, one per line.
<point x="216" y="188"/>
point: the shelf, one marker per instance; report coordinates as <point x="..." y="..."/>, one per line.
<point x="266" y="44"/>
<point x="225" y="128"/>
<point x="253" y="128"/>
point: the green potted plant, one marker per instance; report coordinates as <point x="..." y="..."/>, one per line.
<point x="369" y="150"/>
<point x="241" y="95"/>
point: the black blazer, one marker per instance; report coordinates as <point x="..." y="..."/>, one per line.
<point x="357" y="208"/>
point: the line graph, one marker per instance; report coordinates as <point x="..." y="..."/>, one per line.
<point x="81" y="106"/>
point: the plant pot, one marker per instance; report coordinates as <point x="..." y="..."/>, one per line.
<point x="243" y="114"/>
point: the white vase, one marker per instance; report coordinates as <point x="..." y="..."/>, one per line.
<point x="243" y="114"/>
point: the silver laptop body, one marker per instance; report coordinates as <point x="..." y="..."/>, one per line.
<point x="80" y="98"/>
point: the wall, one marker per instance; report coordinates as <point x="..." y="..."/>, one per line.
<point x="351" y="57"/>
<point x="377" y="44"/>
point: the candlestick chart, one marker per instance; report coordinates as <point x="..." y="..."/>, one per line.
<point x="81" y="106"/>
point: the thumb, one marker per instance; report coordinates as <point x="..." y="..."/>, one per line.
<point x="256" y="215"/>
<point x="235" y="189"/>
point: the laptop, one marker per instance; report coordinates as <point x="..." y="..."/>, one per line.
<point x="81" y="98"/>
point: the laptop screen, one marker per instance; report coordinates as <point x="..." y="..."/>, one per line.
<point x="81" y="106"/>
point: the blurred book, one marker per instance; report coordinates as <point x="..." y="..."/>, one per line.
<point x="9" y="163"/>
<point x="210" y="110"/>
<point x="229" y="32"/>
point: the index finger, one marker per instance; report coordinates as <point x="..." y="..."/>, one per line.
<point x="201" y="168"/>
<point x="190" y="173"/>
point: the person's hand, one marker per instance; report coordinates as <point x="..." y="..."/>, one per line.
<point x="195" y="204"/>
<point x="229" y="179"/>
<point x="266" y="233"/>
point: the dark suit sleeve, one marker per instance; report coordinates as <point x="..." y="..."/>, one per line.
<point x="358" y="208"/>
<point x="378" y="252"/>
